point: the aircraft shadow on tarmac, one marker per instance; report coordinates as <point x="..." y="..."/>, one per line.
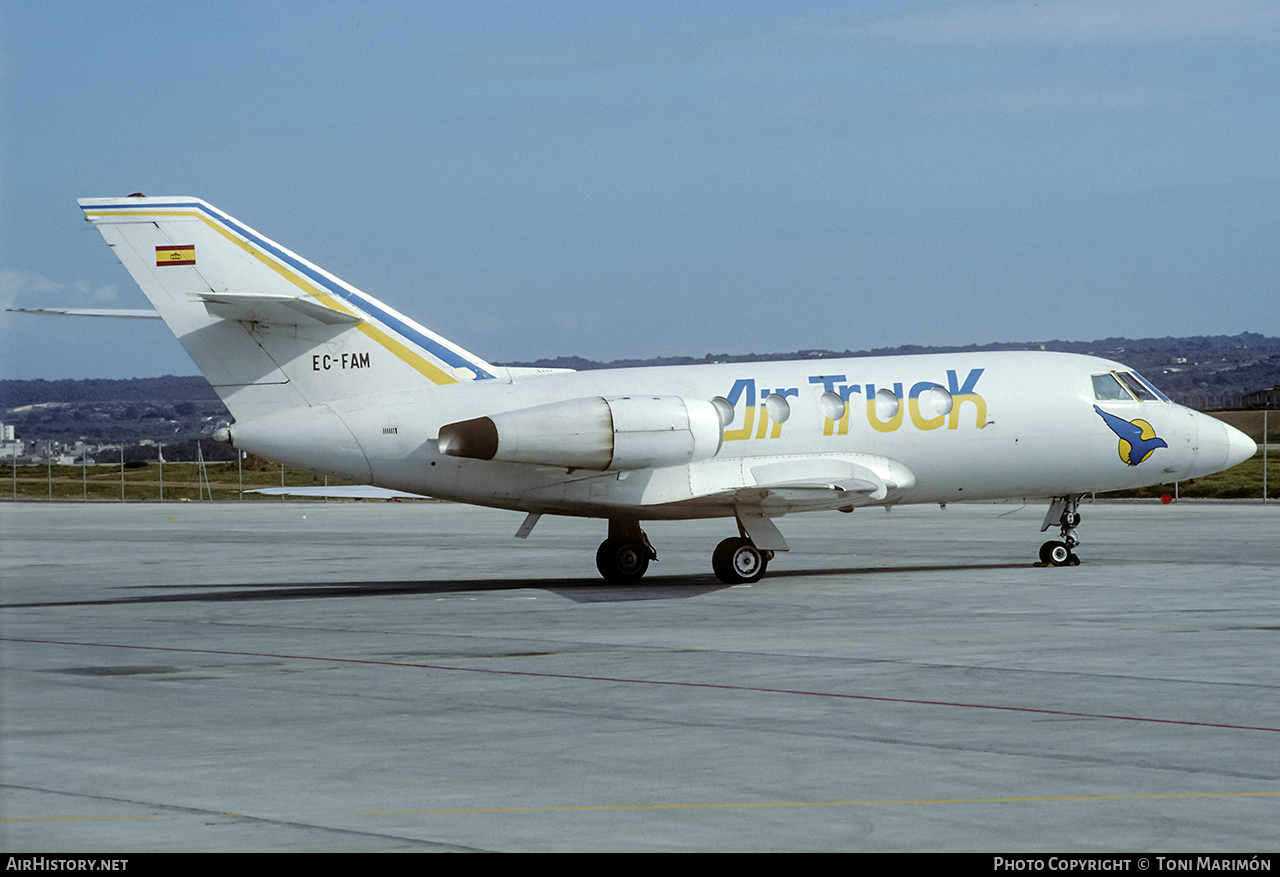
<point x="586" y="590"/>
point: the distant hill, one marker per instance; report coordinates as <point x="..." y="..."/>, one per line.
<point x="1203" y="371"/>
<point x="14" y="394"/>
<point x="100" y="410"/>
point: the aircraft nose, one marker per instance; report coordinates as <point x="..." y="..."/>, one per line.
<point x="1221" y="446"/>
<point x="1239" y="446"/>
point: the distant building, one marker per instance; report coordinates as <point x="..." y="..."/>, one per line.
<point x="1262" y="398"/>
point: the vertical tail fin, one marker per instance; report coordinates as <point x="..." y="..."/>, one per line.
<point x="269" y="329"/>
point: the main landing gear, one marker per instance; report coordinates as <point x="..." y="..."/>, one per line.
<point x="624" y="556"/>
<point x="1065" y="511"/>
<point x="737" y="561"/>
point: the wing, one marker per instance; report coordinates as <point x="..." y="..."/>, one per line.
<point x="795" y="483"/>
<point x="339" y="491"/>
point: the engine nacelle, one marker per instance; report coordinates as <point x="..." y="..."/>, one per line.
<point x="619" y="432"/>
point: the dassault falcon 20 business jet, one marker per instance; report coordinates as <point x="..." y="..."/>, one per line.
<point x="320" y="375"/>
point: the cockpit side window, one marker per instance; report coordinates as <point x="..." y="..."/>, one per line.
<point x="1107" y="388"/>
<point x="1152" y="387"/>
<point x="1136" y="387"/>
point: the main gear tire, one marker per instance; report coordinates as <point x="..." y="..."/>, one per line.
<point x="622" y="561"/>
<point x="737" y="561"/>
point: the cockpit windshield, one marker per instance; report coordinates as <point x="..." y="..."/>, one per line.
<point x="1125" y="386"/>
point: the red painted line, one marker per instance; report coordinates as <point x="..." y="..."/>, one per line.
<point x="708" y="685"/>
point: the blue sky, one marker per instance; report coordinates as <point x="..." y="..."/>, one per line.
<point x="645" y="179"/>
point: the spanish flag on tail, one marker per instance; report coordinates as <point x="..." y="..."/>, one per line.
<point x="184" y="254"/>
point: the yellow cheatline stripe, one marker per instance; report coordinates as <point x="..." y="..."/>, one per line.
<point x="829" y="803"/>
<point x="426" y="368"/>
<point x="432" y="372"/>
<point x="72" y="818"/>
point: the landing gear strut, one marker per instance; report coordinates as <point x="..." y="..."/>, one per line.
<point x="624" y="556"/>
<point x="1065" y="511"/>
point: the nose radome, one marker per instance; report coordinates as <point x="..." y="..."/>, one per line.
<point x="1239" y="446"/>
<point x="1220" y="446"/>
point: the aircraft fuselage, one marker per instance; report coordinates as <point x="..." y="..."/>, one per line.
<point x="1020" y="424"/>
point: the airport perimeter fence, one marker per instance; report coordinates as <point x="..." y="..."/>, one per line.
<point x="159" y="481"/>
<point x="1207" y="401"/>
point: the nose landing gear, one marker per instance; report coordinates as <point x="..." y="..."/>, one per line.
<point x="1065" y="511"/>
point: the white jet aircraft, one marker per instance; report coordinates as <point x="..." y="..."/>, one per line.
<point x="321" y="375"/>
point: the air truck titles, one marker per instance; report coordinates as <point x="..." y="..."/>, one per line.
<point x="928" y="404"/>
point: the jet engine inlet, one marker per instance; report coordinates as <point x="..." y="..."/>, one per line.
<point x="477" y="439"/>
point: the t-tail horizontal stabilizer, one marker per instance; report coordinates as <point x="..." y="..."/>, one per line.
<point x="276" y="310"/>
<point x="117" y="313"/>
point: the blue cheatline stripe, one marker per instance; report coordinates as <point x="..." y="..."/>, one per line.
<point x="431" y="345"/>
